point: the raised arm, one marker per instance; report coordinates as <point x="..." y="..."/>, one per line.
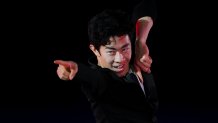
<point x="142" y="60"/>
<point x="144" y="15"/>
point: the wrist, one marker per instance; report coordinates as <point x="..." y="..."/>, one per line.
<point x="140" y="42"/>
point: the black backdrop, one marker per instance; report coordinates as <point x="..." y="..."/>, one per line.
<point x="181" y="45"/>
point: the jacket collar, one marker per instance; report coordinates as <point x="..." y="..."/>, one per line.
<point x="92" y="61"/>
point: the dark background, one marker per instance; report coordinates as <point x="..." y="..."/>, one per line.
<point x="182" y="45"/>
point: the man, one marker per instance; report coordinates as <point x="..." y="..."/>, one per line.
<point x="118" y="92"/>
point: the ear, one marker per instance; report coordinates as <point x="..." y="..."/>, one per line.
<point x="94" y="50"/>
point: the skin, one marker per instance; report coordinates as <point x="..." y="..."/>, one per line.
<point x="143" y="61"/>
<point x="116" y="55"/>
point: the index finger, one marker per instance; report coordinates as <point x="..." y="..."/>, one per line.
<point x="61" y="62"/>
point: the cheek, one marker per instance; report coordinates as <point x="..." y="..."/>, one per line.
<point x="128" y="56"/>
<point x="108" y="59"/>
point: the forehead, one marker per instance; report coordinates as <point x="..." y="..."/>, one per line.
<point x="118" y="40"/>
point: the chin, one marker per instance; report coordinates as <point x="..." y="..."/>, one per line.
<point x="121" y="74"/>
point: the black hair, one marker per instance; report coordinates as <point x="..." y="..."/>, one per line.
<point x="106" y="24"/>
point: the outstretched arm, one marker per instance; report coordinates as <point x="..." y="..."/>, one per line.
<point x="92" y="81"/>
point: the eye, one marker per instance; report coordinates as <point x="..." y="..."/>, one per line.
<point x="111" y="52"/>
<point x="125" y="49"/>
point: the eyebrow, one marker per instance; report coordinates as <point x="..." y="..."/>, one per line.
<point x="111" y="48"/>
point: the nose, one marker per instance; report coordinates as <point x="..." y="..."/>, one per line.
<point x="118" y="57"/>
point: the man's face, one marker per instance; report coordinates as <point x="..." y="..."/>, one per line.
<point x="116" y="55"/>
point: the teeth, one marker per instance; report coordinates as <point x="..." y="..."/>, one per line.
<point x="118" y="66"/>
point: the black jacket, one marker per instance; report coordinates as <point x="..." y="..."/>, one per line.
<point x="115" y="100"/>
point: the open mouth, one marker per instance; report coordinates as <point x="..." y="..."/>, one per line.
<point x="118" y="68"/>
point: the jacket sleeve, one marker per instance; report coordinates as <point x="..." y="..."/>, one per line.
<point x="93" y="81"/>
<point x="149" y="84"/>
